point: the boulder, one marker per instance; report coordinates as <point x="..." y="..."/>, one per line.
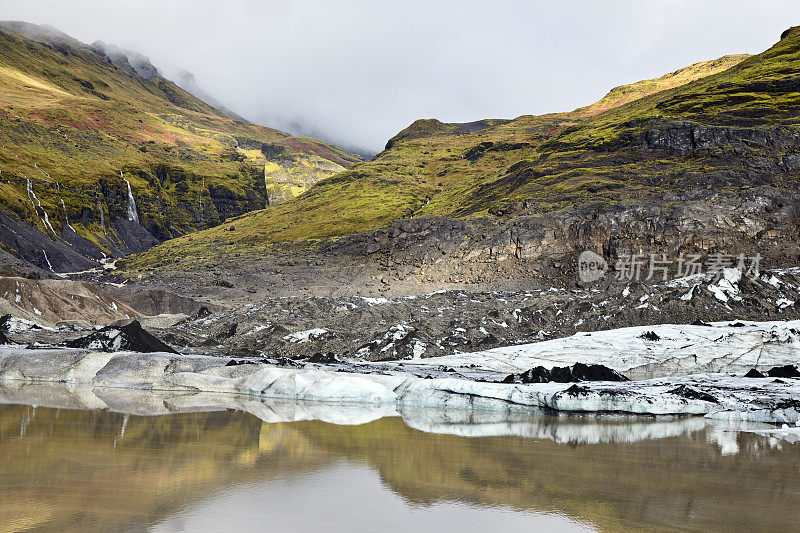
<point x="130" y="337"/>
<point x="787" y="371"/>
<point x="690" y="393"/>
<point x="650" y="336"/>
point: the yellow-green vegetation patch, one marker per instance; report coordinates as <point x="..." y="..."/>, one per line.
<point x="78" y="127"/>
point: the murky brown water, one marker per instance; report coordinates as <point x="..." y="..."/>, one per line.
<point x="76" y="470"/>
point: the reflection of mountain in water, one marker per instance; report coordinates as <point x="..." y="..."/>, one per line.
<point x="67" y="470"/>
<point x="666" y="484"/>
<point x="73" y="469"/>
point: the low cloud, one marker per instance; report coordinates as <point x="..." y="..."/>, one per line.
<point x="357" y="71"/>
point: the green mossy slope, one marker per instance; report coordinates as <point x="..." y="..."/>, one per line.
<point x="78" y="121"/>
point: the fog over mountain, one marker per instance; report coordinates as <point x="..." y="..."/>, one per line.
<point x="357" y="71"/>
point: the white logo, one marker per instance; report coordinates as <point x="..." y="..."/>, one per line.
<point x="591" y="267"/>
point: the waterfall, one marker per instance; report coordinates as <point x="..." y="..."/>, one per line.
<point x="102" y="218"/>
<point x="133" y="216"/>
<point x="47" y="261"/>
<point x="202" y="188"/>
<point x="66" y="216"/>
<point x="31" y="198"/>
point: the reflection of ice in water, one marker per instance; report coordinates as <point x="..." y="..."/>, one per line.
<point x="726" y="439"/>
<point x="228" y="472"/>
<point x="579" y="429"/>
<point x="124" y="423"/>
<point x="567" y="429"/>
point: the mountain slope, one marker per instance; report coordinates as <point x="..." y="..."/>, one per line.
<point x="661" y="170"/>
<point x="624" y="94"/>
<point x="81" y="126"/>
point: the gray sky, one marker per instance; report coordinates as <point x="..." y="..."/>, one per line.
<point x="358" y="71"/>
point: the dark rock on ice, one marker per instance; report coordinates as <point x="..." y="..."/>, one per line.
<point x="576" y="390"/>
<point x="581" y="372"/>
<point x="4" y="339"/>
<point x="566" y="374"/>
<point x="692" y="394"/>
<point x="239" y="362"/>
<point x="753" y="373"/>
<point x="537" y="374"/>
<point x="650" y="336"/>
<point x="323" y="359"/>
<point x="285" y="361"/>
<point x="130" y="337"/>
<point x="788" y="371"/>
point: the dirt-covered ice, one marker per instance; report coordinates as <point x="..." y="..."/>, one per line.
<point x="710" y="360"/>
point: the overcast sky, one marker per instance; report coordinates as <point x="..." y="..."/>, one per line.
<point x="358" y="71"/>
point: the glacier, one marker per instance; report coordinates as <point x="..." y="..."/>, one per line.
<point x="689" y="370"/>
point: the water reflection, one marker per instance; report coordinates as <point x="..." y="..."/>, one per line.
<point x="67" y="469"/>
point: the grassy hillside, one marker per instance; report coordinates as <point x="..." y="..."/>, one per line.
<point x="532" y="164"/>
<point x="78" y="121"/>
<point x="624" y="94"/>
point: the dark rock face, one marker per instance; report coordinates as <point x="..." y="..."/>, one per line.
<point x="788" y="371"/>
<point x="38" y="249"/>
<point x="133" y="236"/>
<point x="753" y="373"/>
<point x="130" y="337"/>
<point x="419" y="240"/>
<point x="566" y="374"/>
<point x="688" y="136"/>
<point x="4" y="339"/>
<point x="538" y="374"/>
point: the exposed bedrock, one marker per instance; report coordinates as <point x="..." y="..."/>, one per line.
<point x="762" y="220"/>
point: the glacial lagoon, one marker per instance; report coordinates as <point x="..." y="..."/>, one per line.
<point x="146" y="465"/>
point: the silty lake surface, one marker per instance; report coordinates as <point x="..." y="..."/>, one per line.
<point x="96" y="470"/>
